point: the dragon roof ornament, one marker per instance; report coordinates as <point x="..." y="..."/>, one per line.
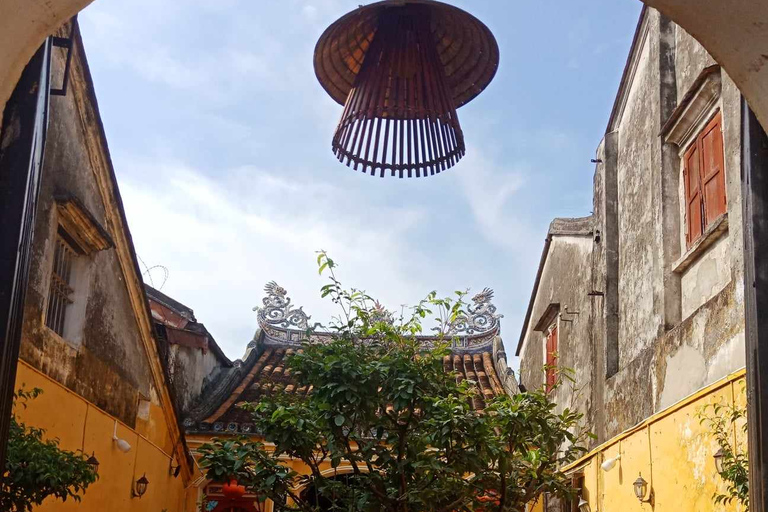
<point x="480" y="318"/>
<point x="283" y="323"/>
<point x="278" y="311"/>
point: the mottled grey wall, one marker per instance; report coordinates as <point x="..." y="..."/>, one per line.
<point x="566" y="280"/>
<point x="106" y="363"/>
<point x="191" y="370"/>
<point x="654" y="334"/>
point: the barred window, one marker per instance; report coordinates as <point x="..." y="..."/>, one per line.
<point x="60" y="293"/>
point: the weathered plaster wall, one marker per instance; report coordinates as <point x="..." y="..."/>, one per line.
<point x="706" y="277"/>
<point x="190" y="352"/>
<point x="671" y="450"/>
<point x="504" y="372"/>
<point x="684" y="331"/>
<point x="735" y="34"/>
<point x="80" y="425"/>
<point x="639" y="280"/>
<point x="107" y="363"/>
<point x="565" y="280"/>
<point x="652" y="334"/>
<point x="191" y="369"/>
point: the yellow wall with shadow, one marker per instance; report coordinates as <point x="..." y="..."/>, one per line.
<point x="80" y="425"/>
<point x="674" y="453"/>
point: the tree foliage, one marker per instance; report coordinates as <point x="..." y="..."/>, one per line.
<point x="383" y="407"/>
<point x="722" y="420"/>
<point x="37" y="468"/>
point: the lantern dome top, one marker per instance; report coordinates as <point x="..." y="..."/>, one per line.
<point x="466" y="47"/>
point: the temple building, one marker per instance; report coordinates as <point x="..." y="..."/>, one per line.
<point x="477" y="355"/>
<point x="644" y="299"/>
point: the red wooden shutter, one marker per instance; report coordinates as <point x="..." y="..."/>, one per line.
<point x="693" y="200"/>
<point x="712" y="170"/>
<point x="551" y="359"/>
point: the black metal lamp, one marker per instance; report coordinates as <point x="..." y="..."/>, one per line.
<point x="140" y="488"/>
<point x="174" y="470"/>
<point x="718" y="456"/>
<point x="641" y="490"/>
<point x="93" y="462"/>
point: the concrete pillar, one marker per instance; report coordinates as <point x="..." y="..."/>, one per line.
<point x="24" y="25"/>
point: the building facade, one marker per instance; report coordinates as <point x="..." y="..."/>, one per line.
<point x="643" y="301"/>
<point x="88" y="341"/>
<point x="477" y="355"/>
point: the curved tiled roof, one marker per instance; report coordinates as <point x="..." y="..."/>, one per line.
<point x="477" y="355"/>
<point x="268" y="373"/>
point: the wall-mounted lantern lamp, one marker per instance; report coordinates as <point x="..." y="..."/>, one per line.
<point x="583" y="505"/>
<point x="718" y="456"/>
<point x="641" y="490"/>
<point x="93" y="462"/>
<point x="140" y="487"/>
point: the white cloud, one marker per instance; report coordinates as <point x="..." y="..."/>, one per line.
<point x="222" y="241"/>
<point x="490" y="189"/>
<point x="224" y="81"/>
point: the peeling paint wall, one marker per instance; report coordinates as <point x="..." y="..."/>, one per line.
<point x="638" y="214"/>
<point x="102" y="374"/>
<point x="191" y="370"/>
<point x="566" y="274"/>
<point x="105" y="362"/>
<point x="706" y="277"/>
<point x="657" y="322"/>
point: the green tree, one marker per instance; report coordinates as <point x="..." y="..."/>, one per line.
<point x="382" y="403"/>
<point x="37" y="468"/>
<point x="723" y="419"/>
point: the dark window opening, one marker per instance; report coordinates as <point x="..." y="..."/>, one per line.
<point x="61" y="291"/>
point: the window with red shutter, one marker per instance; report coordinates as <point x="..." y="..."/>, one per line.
<point x="704" y="175"/>
<point x="693" y="212"/>
<point x="551" y="360"/>
<point x="712" y="174"/>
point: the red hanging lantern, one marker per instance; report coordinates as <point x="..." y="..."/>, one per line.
<point x="233" y="491"/>
<point x="401" y="68"/>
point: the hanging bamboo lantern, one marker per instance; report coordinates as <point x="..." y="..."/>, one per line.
<point x="401" y="68"/>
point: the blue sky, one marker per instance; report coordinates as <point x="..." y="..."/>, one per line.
<point x="220" y="136"/>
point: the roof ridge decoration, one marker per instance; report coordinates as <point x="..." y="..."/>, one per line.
<point x="480" y="318"/>
<point x="277" y="310"/>
<point x="282" y="323"/>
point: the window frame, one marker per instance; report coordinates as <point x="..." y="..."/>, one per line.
<point x="61" y="289"/>
<point x="551" y="357"/>
<point x="707" y="213"/>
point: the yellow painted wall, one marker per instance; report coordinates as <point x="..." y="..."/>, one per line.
<point x="82" y="426"/>
<point x="672" y="450"/>
<point x="538" y="505"/>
